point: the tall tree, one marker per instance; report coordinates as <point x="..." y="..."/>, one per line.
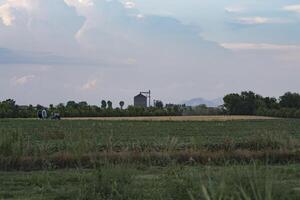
<point x="290" y="100"/>
<point x="158" y="104"/>
<point x="103" y="104"/>
<point x="83" y="104"/>
<point x="232" y="103"/>
<point x="71" y="104"/>
<point x="121" y="104"/>
<point x="109" y="104"/>
<point x="245" y="103"/>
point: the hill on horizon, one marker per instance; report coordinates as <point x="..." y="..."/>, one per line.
<point x="200" y="101"/>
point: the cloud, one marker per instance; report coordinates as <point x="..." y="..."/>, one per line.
<point x="130" y="61"/>
<point x="260" y="20"/>
<point x="254" y="20"/>
<point x="8" y="10"/>
<point x="129" y="4"/>
<point x="114" y="33"/>
<point x="88" y="10"/>
<point x="6" y="15"/>
<point x="102" y="14"/>
<point x="94" y="32"/>
<point x="9" y="56"/>
<point x="292" y="8"/>
<point x="39" y="25"/>
<point x="19" y="81"/>
<point x="140" y="16"/>
<point x="259" y="46"/>
<point x="79" y="3"/>
<point x="235" y="9"/>
<point x="90" y="85"/>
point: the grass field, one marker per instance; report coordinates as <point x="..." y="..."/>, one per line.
<point x="220" y="158"/>
<point x="176" y="118"/>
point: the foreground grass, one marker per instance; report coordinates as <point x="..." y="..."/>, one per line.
<point x="260" y="182"/>
<point x="36" y="145"/>
<point x="90" y="159"/>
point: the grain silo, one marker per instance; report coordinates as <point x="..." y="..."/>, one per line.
<point x="140" y="100"/>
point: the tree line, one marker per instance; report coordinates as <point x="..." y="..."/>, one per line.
<point x="244" y="103"/>
<point x="9" y="109"/>
<point x="249" y="103"/>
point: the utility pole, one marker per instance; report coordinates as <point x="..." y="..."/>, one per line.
<point x="148" y="96"/>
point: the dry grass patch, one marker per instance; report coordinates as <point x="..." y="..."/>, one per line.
<point x="202" y="157"/>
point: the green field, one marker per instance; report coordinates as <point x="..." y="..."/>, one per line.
<point x="94" y="159"/>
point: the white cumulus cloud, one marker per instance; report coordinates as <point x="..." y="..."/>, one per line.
<point x="18" y="81"/>
<point x="129" y="4"/>
<point x="259" y="46"/>
<point x="140" y="16"/>
<point x="90" y="85"/>
<point x="88" y="10"/>
<point x="79" y="3"/>
<point x="292" y="8"/>
<point x="254" y="20"/>
<point x="7" y="9"/>
<point x="6" y="15"/>
<point x="261" y="20"/>
<point x="235" y="9"/>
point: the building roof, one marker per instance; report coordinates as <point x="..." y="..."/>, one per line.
<point x="140" y="95"/>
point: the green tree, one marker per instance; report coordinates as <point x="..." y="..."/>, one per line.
<point x="103" y="104"/>
<point x="109" y="104"/>
<point x="271" y="103"/>
<point x="83" y="104"/>
<point x="232" y="103"/>
<point x="9" y="108"/>
<point x="290" y="100"/>
<point x="71" y="104"/>
<point x="246" y="103"/>
<point x="122" y="103"/>
<point x="158" y="104"/>
<point x="249" y="102"/>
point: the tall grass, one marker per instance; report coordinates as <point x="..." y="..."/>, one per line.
<point x="16" y="152"/>
<point x="231" y="182"/>
<point x="254" y="181"/>
<point x="28" y="145"/>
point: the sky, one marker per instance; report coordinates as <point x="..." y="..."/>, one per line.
<point x="52" y="51"/>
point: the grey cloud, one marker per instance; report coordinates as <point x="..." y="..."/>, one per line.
<point x="8" y="56"/>
<point x="48" y="27"/>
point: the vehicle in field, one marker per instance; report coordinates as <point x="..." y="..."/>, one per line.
<point x="55" y="116"/>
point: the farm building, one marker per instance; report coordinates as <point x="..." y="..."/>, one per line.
<point x="140" y="101"/>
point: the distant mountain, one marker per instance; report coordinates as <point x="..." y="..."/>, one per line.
<point x="200" y="101"/>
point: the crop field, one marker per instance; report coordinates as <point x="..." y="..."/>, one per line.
<point x="175" y="118"/>
<point x="145" y="158"/>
